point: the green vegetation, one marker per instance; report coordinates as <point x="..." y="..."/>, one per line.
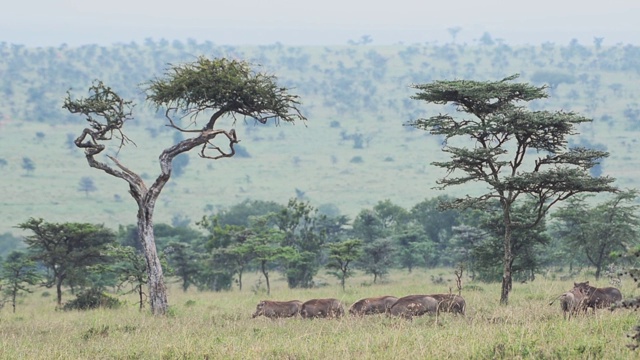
<point x="219" y="325"/>
<point x="334" y="173"/>
<point x="356" y="97"/>
<point x="504" y="135"/>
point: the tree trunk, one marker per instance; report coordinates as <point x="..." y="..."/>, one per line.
<point x="240" y="279"/>
<point x="13" y="300"/>
<point x="507" y="260"/>
<point x="157" y="290"/>
<point x="141" y="295"/>
<point x="59" y="290"/>
<point x="266" y="276"/>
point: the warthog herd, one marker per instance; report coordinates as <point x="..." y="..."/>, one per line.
<point x="579" y="299"/>
<point x="407" y="307"/>
<point x="584" y="296"/>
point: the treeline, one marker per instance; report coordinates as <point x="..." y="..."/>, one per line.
<point x="359" y="80"/>
<point x="297" y="241"/>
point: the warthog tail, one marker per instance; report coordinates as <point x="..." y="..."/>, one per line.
<point x="556" y="298"/>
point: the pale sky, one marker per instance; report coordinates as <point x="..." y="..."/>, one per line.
<point x="325" y="22"/>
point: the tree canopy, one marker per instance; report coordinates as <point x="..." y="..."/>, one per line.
<point x="67" y="249"/>
<point x="518" y="153"/>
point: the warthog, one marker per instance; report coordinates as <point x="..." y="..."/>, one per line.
<point x="278" y="309"/>
<point x="572" y="302"/>
<point x="316" y="308"/>
<point x="450" y="303"/>
<point x="414" y="305"/>
<point x="375" y="305"/>
<point x="598" y="297"/>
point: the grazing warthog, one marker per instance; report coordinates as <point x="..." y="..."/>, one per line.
<point x="572" y="302"/>
<point x="278" y="309"/>
<point x="598" y="297"/>
<point x="375" y="305"/>
<point x="450" y="303"/>
<point x="414" y="305"/>
<point x="317" y="308"/>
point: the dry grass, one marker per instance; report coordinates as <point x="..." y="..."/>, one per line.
<point x="219" y="326"/>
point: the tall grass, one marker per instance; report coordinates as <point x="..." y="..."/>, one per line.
<point x="204" y="325"/>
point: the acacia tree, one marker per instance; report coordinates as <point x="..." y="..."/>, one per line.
<point x="341" y="256"/>
<point x="517" y="153"/>
<point x="216" y="89"/>
<point x="601" y="230"/>
<point x="16" y="274"/>
<point x="67" y="249"/>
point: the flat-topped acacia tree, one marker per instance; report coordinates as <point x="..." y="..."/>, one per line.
<point x="214" y="88"/>
<point x="517" y="153"/>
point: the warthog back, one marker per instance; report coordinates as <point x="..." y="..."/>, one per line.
<point x="322" y="308"/>
<point x="414" y="305"/>
<point x="375" y="305"/>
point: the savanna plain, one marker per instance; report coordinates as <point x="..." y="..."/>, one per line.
<point x="207" y="325"/>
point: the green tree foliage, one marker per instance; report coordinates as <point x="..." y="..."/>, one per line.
<point x="437" y="224"/>
<point x="299" y="224"/>
<point x="67" y="250"/>
<point x="368" y="226"/>
<point x="414" y="248"/>
<point x="18" y="272"/>
<point x="598" y="231"/>
<point x="465" y="239"/>
<point x="341" y="257"/>
<point x="216" y="88"/>
<point x="130" y="267"/>
<point x="241" y="213"/>
<point x="377" y="258"/>
<point x="391" y="215"/>
<point x="229" y="247"/>
<point x="265" y="243"/>
<point x="184" y="262"/>
<point x="516" y="152"/>
<point x="485" y="245"/>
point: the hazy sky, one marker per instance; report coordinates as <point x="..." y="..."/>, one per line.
<point x="324" y="22"/>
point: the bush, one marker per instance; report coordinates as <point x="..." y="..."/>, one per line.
<point x="92" y="299"/>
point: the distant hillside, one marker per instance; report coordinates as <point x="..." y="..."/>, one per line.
<point x="353" y="152"/>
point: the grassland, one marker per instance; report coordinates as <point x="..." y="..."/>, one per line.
<point x="344" y="93"/>
<point x="204" y="325"/>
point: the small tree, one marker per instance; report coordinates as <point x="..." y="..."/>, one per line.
<point x="131" y="269"/>
<point x="217" y="89"/>
<point x="67" y="249"/>
<point x="299" y="223"/>
<point x="86" y="184"/>
<point x="341" y="256"/>
<point x="229" y="245"/>
<point x="28" y="165"/>
<point x="517" y="153"/>
<point x="265" y="243"/>
<point x="377" y="258"/>
<point x="598" y="231"/>
<point x="18" y="272"/>
<point x="184" y="262"/>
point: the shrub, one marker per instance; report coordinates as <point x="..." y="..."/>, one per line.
<point x="92" y="299"/>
